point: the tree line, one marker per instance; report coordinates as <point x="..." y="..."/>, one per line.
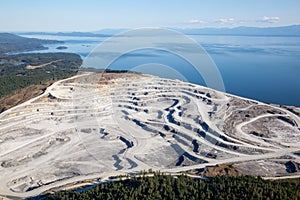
<point x="183" y="187"/>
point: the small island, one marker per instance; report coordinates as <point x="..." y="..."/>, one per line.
<point x="61" y="47"/>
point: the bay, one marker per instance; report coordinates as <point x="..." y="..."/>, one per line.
<point x="264" y="68"/>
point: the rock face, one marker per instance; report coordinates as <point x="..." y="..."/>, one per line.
<point x="99" y="125"/>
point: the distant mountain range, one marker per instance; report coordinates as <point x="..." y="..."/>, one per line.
<point x="246" y="31"/>
<point x="293" y="30"/>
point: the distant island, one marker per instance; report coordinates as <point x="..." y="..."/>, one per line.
<point x="13" y="43"/>
<point x="75" y="34"/>
<point x="61" y="47"/>
<point x="293" y="30"/>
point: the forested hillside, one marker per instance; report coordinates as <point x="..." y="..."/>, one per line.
<point x="14" y="43"/>
<point x="20" y="71"/>
<point x="183" y="187"/>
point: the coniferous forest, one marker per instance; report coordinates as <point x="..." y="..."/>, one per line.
<point x="182" y="187"/>
<point x="14" y="75"/>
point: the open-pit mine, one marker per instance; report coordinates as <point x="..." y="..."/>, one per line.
<point x="96" y="125"/>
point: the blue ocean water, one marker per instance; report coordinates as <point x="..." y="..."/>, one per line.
<point x="262" y="68"/>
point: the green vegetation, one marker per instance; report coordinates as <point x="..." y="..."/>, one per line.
<point x="15" y="73"/>
<point x="183" y="187"/>
<point x="24" y="75"/>
<point x="14" y="43"/>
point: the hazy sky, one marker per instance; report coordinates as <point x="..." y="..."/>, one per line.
<point x="90" y="15"/>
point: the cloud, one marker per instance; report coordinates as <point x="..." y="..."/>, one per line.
<point x="196" y="21"/>
<point x="225" y="20"/>
<point x="267" y="19"/>
<point x="231" y="22"/>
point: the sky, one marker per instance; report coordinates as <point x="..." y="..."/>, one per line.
<point x="93" y="15"/>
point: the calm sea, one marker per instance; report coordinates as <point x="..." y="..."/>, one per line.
<point x="262" y="68"/>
